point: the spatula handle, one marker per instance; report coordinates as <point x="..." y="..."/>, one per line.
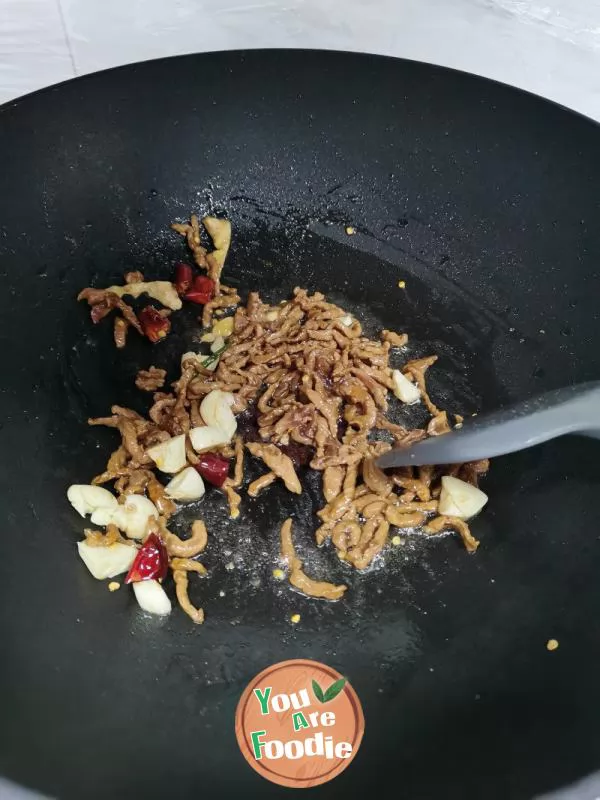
<point x="574" y="409"/>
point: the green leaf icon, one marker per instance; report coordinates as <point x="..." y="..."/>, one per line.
<point x="331" y="693"/>
<point x="334" y="690"/>
<point x="318" y="692"/>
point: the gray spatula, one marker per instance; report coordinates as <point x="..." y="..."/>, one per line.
<point x="575" y="409"/>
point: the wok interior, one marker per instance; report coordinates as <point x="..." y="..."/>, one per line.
<point x="363" y="284"/>
<point x="491" y="233"/>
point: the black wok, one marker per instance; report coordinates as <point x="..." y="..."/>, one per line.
<point x="485" y="201"/>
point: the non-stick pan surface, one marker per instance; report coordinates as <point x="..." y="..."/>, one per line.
<point x="486" y="202"/>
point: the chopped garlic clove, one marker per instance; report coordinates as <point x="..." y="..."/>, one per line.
<point x="405" y="390"/>
<point x="106" y="562"/>
<point x="187" y="485"/>
<point x="447" y="506"/>
<point x="163" y="291"/>
<point x="460" y="499"/>
<point x="102" y="516"/>
<point x="223" y="327"/>
<point x="217" y="345"/>
<point x="152" y="597"/>
<point x="94" y="500"/>
<point x="215" y="409"/>
<point x="169" y="456"/>
<point x="194" y="358"/>
<point x="207" y="437"/>
<point x="132" y="517"/>
<point x="346" y="321"/>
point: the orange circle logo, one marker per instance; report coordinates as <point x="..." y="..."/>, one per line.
<point x="299" y="723"/>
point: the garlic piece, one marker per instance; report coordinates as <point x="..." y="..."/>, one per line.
<point x="215" y="409"/>
<point x="163" y="291"/>
<point x="187" y="485"/>
<point x="223" y="327"/>
<point x="405" y="390"/>
<point x="207" y="437"/>
<point x="195" y="358"/>
<point x="132" y="517"/>
<point x="94" y="500"/>
<point x="217" y="345"/>
<point x="346" y="321"/>
<point x="169" y="456"/>
<point x="152" y="597"/>
<point x="460" y="499"/>
<point x="106" y="562"/>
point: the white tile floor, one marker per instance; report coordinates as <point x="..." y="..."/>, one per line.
<point x="551" y="48"/>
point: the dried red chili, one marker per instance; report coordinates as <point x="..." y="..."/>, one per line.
<point x="154" y="325"/>
<point x="213" y="468"/>
<point x="183" y="278"/>
<point x="151" y="561"/>
<point x="203" y="290"/>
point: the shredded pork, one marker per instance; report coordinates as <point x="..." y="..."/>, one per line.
<point x="151" y="379"/>
<point x="309" y="388"/>
<point x="180" y="577"/>
<point x="297" y="577"/>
